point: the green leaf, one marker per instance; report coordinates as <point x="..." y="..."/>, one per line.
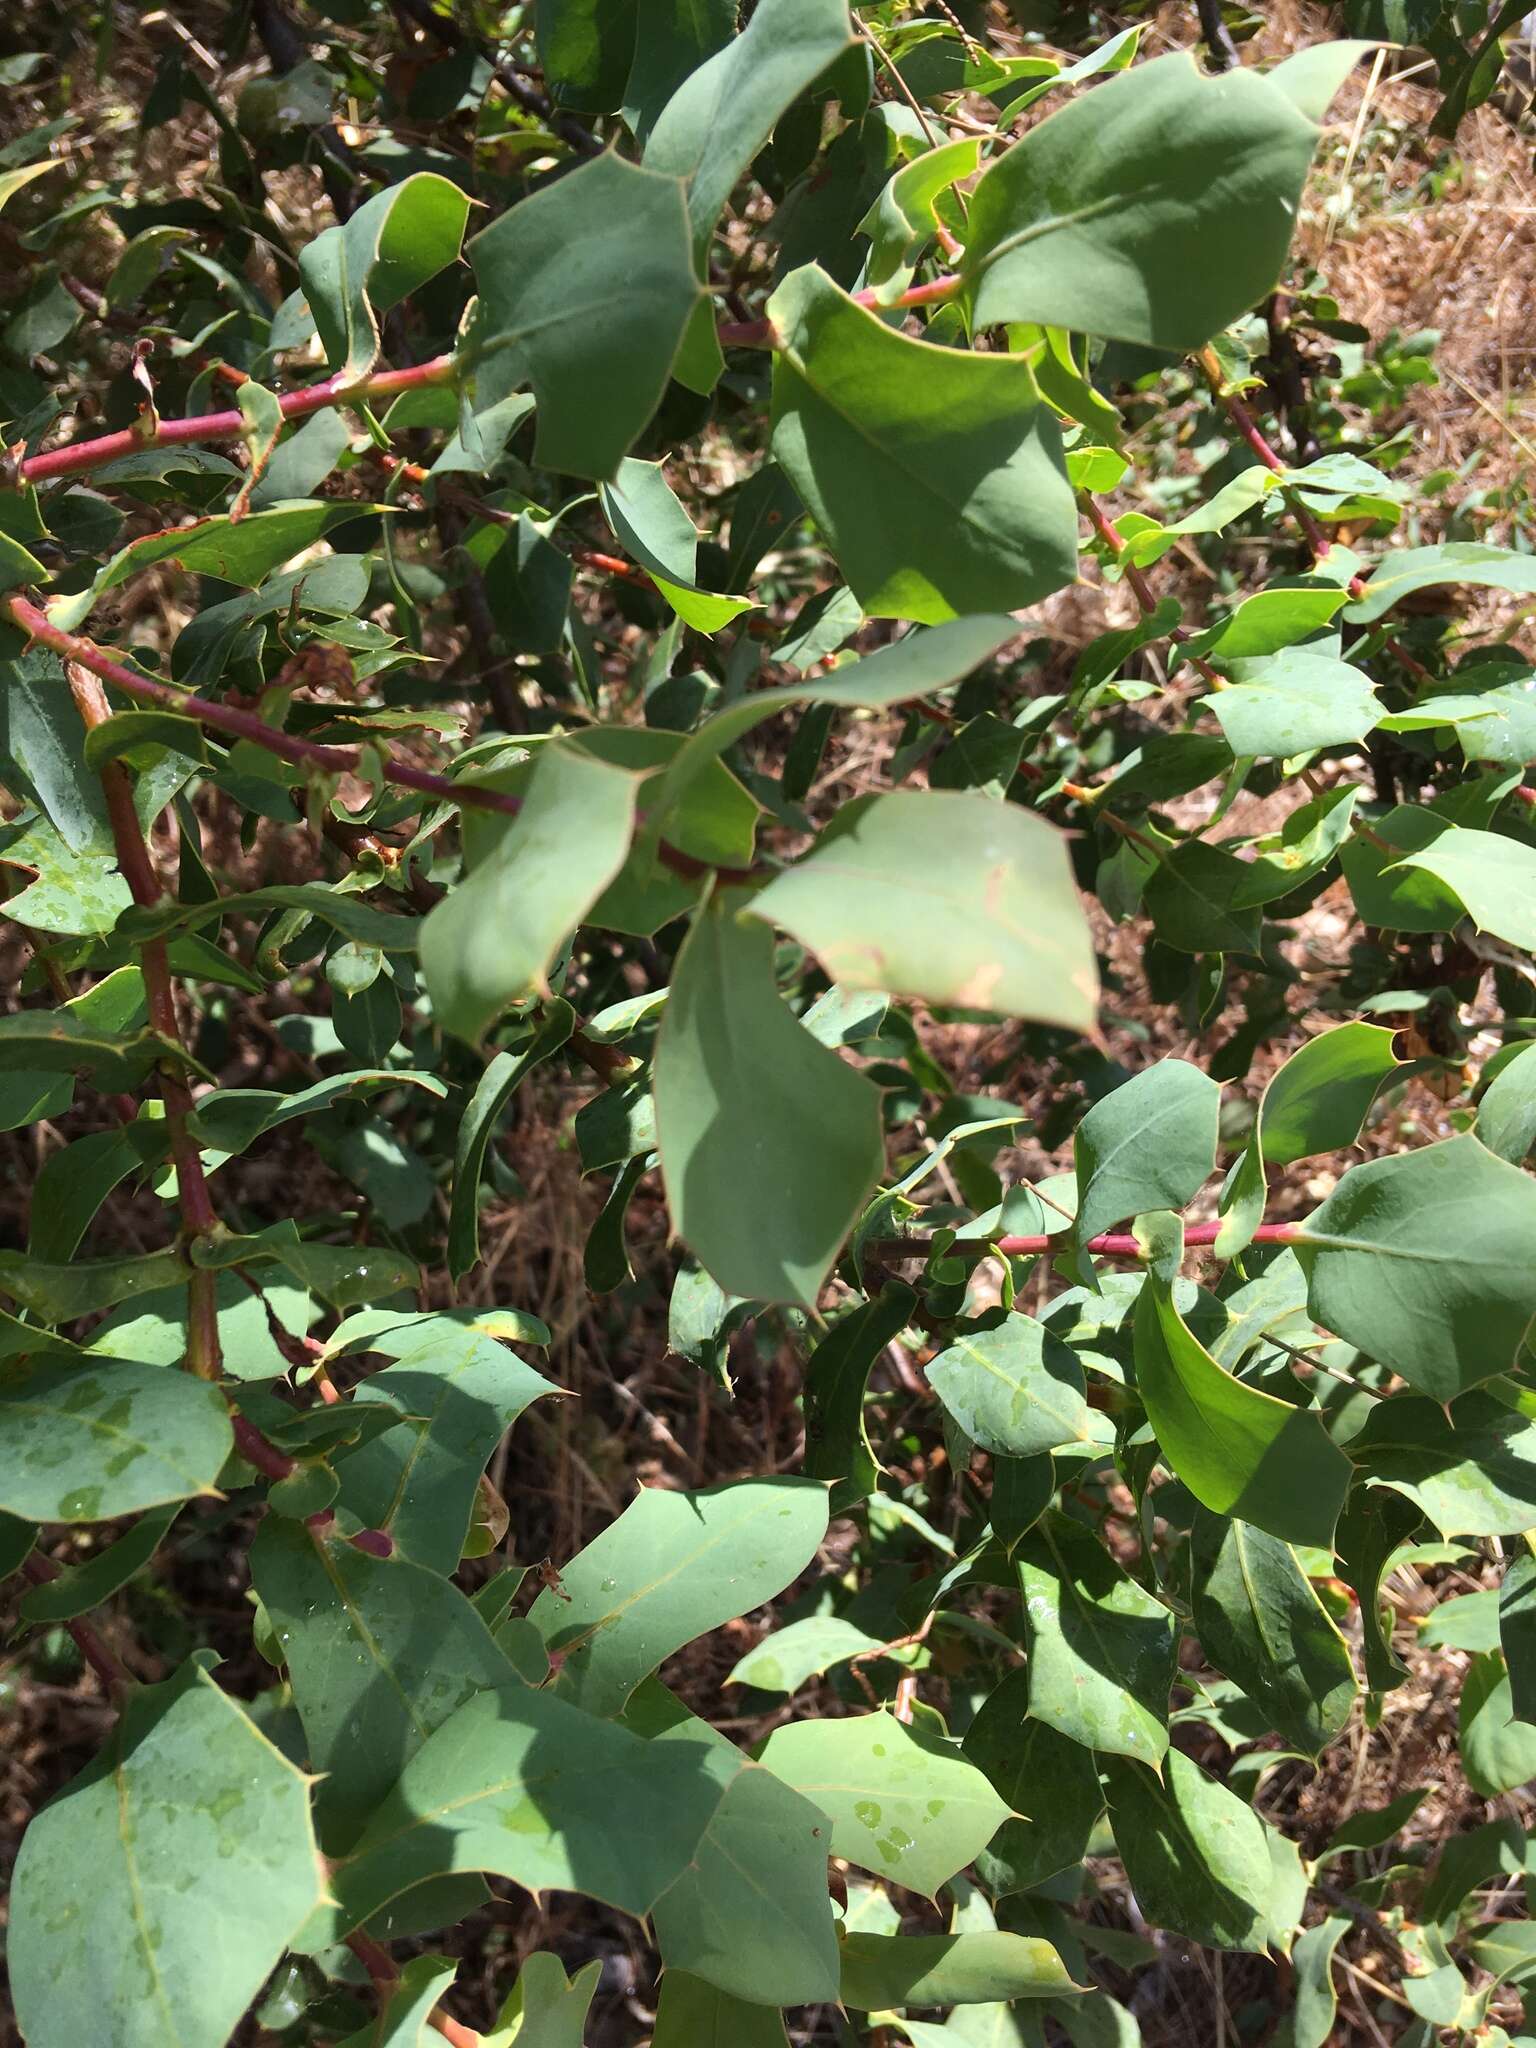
<point x="950" y="897"/>
<point x="544" y="2008"/>
<point x="407" y="2009"/>
<point x="89" y="1441"/>
<point x="1239" y="1451"/>
<point x="188" y="1837"/>
<point x="722" y="114"/>
<point x="1408" y="570"/>
<point x="672" y="1567"/>
<point x="492" y="940"/>
<point x="837" y="1446"/>
<point x="63" y="1041"/>
<point x="1015" y="1389"/>
<point x="503" y="1076"/>
<point x="1101" y="1650"/>
<point x="1149" y="1144"/>
<point x="1294" y="701"/>
<point x="379" y="1652"/>
<point x="752" y="1915"/>
<point x="1386" y="890"/>
<point x="243" y="551"/>
<point x="1154" y="209"/>
<point x="1198" y="897"/>
<point x="650" y="524"/>
<point x="1260" y="1622"/>
<point x="59" y="1293"/>
<point x="786" y="1658"/>
<point x="350" y="916"/>
<point x="692" y="2014"/>
<point x="745" y="1097"/>
<point x="1498" y="1752"/>
<point x="914" y="665"/>
<point x="461" y="1390"/>
<point x="79" y="1588"/>
<point x="902" y="220"/>
<point x="1320" y="1098"/>
<point x="1371" y="1528"/>
<point x="1494" y="878"/>
<point x="1423" y="1261"/>
<point x="389" y="248"/>
<point x="1315" y="2005"/>
<point x="1506" y="1113"/>
<point x="935" y="475"/>
<point x="1517" y="1633"/>
<point x="1473" y="1473"/>
<point x="598" y="358"/>
<point x="881" y="1970"/>
<point x="1269" y="623"/>
<point x="524" y="1785"/>
<point x="1049" y="1780"/>
<point x="1195" y="1854"/>
<point x="43" y="750"/>
<point x="230" y="1120"/>
<point x="906" y="1805"/>
<point x="13" y="180"/>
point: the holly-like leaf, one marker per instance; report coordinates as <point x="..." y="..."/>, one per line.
<point x="1195" y="1853"/>
<point x="722" y="113"/>
<point x="1498" y="1752"/>
<point x="672" y="1567"/>
<point x="87" y="1440"/>
<point x="751" y="1915"/>
<point x="503" y="1076"/>
<point x="1472" y="1471"/>
<point x="586" y="289"/>
<point x="1149" y="1144"/>
<point x="1101" y="1650"/>
<point x="693" y="2014"/>
<point x="461" y="1389"/>
<point x="544" y="2008"/>
<point x="380" y="1653"/>
<point x="1320" y="1098"/>
<point x="1051" y="1782"/>
<point x="784" y="1660"/>
<point x="881" y="1970"/>
<point x="188" y="1837"/>
<point x="650" y="524"/>
<point x="527" y="1786"/>
<point x="1423" y="1260"/>
<point x="1001" y="929"/>
<point x="389" y="248"/>
<point x="1494" y="878"/>
<point x="1406" y="570"/>
<point x="745" y="1097"/>
<point x="1295" y="701"/>
<point x="1154" y="209"/>
<point x="1239" y="1450"/>
<point x="906" y="1805"/>
<point x="242" y="551"/>
<point x="935" y="475"/>
<point x="1261" y="1623"/>
<point x="492" y="940"/>
<point x="1016" y="1389"/>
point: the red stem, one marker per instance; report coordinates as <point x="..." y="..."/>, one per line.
<point x="255" y="1449"/>
<point x="1114" y="1244"/>
<point x="227" y="426"/>
<point x="245" y="725"/>
<point x="1140" y="588"/>
<point x="760" y="333"/>
<point x="241" y="725"/>
<point x="117" y="1680"/>
<point x="138" y="870"/>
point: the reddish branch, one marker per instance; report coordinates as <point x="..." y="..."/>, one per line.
<point x="138" y="871"/>
<point x="1136" y="581"/>
<point x="1113" y="1244"/>
<point x="384" y="1974"/>
<point x="41" y="1571"/>
<point x="225" y="426"/>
